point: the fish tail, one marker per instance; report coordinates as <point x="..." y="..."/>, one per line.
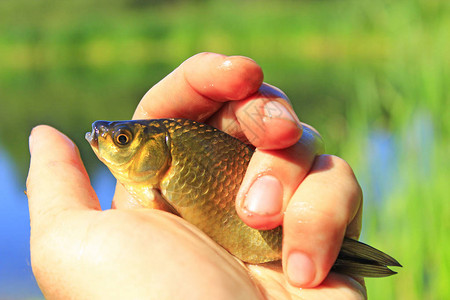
<point x="359" y="259"/>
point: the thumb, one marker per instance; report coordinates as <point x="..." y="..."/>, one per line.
<point x="57" y="180"/>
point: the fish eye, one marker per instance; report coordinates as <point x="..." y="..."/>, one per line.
<point x="122" y="137"/>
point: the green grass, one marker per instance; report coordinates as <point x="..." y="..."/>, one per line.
<point x="351" y="68"/>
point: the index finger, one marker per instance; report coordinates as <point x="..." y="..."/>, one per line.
<point x="199" y="87"/>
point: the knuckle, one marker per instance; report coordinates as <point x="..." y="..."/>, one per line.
<point x="342" y="165"/>
<point x="345" y="180"/>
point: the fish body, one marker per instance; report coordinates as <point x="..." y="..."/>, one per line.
<point x="198" y="170"/>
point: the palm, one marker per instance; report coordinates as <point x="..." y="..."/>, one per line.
<point x="165" y="243"/>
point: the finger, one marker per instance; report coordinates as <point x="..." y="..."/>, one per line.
<point x="199" y="86"/>
<point x="57" y="179"/>
<point x="271" y="179"/>
<point x="315" y="221"/>
<point x="265" y="119"/>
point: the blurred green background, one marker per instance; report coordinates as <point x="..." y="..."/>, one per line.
<point x="371" y="76"/>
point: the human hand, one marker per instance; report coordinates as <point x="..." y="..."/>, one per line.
<point x="79" y="251"/>
<point x="228" y="93"/>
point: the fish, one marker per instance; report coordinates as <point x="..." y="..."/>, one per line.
<point x="198" y="169"/>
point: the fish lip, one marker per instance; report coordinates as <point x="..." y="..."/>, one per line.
<point x="92" y="139"/>
<point x="98" y="128"/>
<point x="92" y="136"/>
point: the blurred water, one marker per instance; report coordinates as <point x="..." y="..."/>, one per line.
<point x="388" y="152"/>
<point x="383" y="164"/>
<point x="16" y="278"/>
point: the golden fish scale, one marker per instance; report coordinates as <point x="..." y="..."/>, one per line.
<point x="206" y="171"/>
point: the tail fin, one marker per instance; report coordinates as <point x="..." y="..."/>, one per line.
<point x="359" y="259"/>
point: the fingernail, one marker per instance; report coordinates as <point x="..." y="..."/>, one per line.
<point x="265" y="196"/>
<point x="274" y="109"/>
<point x="300" y="269"/>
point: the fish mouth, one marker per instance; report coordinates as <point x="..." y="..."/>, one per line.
<point x="99" y="128"/>
<point x="91" y="137"/>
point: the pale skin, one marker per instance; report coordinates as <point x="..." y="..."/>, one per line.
<point x="130" y="252"/>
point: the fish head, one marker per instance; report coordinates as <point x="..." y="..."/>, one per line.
<point x="136" y="152"/>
